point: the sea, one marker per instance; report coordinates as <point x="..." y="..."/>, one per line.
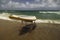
<point x="40" y="14"/>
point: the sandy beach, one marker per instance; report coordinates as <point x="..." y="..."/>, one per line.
<point x="9" y="30"/>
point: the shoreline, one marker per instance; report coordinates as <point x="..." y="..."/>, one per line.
<point x="37" y="21"/>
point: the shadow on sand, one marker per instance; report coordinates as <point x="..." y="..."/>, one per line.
<point x="27" y="28"/>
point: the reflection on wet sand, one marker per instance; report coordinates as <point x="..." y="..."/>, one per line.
<point x="27" y="28"/>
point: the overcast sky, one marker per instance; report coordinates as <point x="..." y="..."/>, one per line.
<point x="29" y="4"/>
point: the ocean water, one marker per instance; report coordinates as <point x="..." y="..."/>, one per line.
<point x="53" y="15"/>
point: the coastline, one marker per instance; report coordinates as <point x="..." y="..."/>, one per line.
<point x="37" y="20"/>
<point x="45" y="30"/>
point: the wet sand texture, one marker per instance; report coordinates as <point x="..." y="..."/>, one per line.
<point x="9" y="30"/>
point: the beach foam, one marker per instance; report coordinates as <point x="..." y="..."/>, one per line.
<point x="37" y="21"/>
<point x="47" y="21"/>
<point x="4" y="16"/>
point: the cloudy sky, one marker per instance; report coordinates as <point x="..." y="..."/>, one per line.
<point x="29" y="4"/>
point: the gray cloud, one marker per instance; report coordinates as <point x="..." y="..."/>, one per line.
<point x="44" y="5"/>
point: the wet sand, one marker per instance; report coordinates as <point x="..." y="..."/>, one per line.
<point x="9" y="30"/>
